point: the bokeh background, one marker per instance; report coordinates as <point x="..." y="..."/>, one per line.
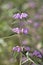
<point x="8" y="39"/>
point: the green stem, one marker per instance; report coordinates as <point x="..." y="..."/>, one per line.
<point x="20" y="58"/>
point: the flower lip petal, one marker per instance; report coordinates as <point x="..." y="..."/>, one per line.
<point x="16" y="16"/>
<point x="17" y="48"/>
<point x="25" y="30"/>
<point x="17" y="30"/>
<point x="27" y="48"/>
<point x="23" y="15"/>
<point x="37" y="53"/>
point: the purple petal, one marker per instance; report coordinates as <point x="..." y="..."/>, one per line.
<point x="17" y="48"/>
<point x="23" y="15"/>
<point x="25" y="31"/>
<point x="27" y="48"/>
<point x="14" y="49"/>
<point x="36" y="52"/>
<point x="40" y="56"/>
<point x="17" y="30"/>
<point x="16" y="16"/>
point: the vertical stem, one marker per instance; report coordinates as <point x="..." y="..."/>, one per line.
<point x="20" y="52"/>
<point x="20" y="58"/>
<point x="20" y="40"/>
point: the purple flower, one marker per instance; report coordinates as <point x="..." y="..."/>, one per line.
<point x="17" y="48"/>
<point x="24" y="30"/>
<point x="40" y="56"/>
<point x="23" y="15"/>
<point x="14" y="48"/>
<point x="27" y="48"/>
<point x="37" y="53"/>
<point x="16" y="16"/>
<point x="20" y="16"/>
<point x="17" y="30"/>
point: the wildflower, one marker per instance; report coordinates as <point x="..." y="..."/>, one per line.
<point x="37" y="53"/>
<point x="23" y="15"/>
<point x="40" y="56"/>
<point x="17" y="48"/>
<point x="27" y="48"/>
<point x="16" y="16"/>
<point x="16" y="30"/>
<point x="25" y="30"/>
<point x="20" y="16"/>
